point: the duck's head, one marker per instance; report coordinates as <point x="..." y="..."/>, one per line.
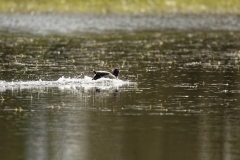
<point x="115" y="72"/>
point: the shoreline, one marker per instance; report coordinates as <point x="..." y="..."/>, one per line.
<point x="67" y="24"/>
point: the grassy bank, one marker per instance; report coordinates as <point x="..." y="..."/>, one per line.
<point x="121" y="6"/>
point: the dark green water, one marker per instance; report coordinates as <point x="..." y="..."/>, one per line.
<point x="183" y="102"/>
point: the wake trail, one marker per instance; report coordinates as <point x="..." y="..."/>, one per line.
<point x="64" y="83"/>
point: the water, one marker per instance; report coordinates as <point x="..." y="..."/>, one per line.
<point x="177" y="96"/>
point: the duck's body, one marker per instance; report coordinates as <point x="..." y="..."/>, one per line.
<point x="105" y="74"/>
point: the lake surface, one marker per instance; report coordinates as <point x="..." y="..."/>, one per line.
<point x="177" y="96"/>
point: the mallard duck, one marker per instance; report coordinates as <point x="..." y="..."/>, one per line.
<point x="105" y="74"/>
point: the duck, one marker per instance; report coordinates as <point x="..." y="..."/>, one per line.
<point x="106" y="74"/>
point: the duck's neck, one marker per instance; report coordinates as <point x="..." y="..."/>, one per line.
<point x="115" y="74"/>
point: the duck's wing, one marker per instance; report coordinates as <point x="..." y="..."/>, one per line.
<point x="110" y="76"/>
<point x="103" y="74"/>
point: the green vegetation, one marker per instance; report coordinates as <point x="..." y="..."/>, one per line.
<point x="121" y="6"/>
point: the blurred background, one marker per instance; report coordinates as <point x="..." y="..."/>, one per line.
<point x="121" y="6"/>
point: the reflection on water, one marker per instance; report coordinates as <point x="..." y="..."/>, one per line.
<point x="177" y="97"/>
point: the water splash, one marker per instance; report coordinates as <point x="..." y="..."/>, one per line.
<point x="64" y="83"/>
